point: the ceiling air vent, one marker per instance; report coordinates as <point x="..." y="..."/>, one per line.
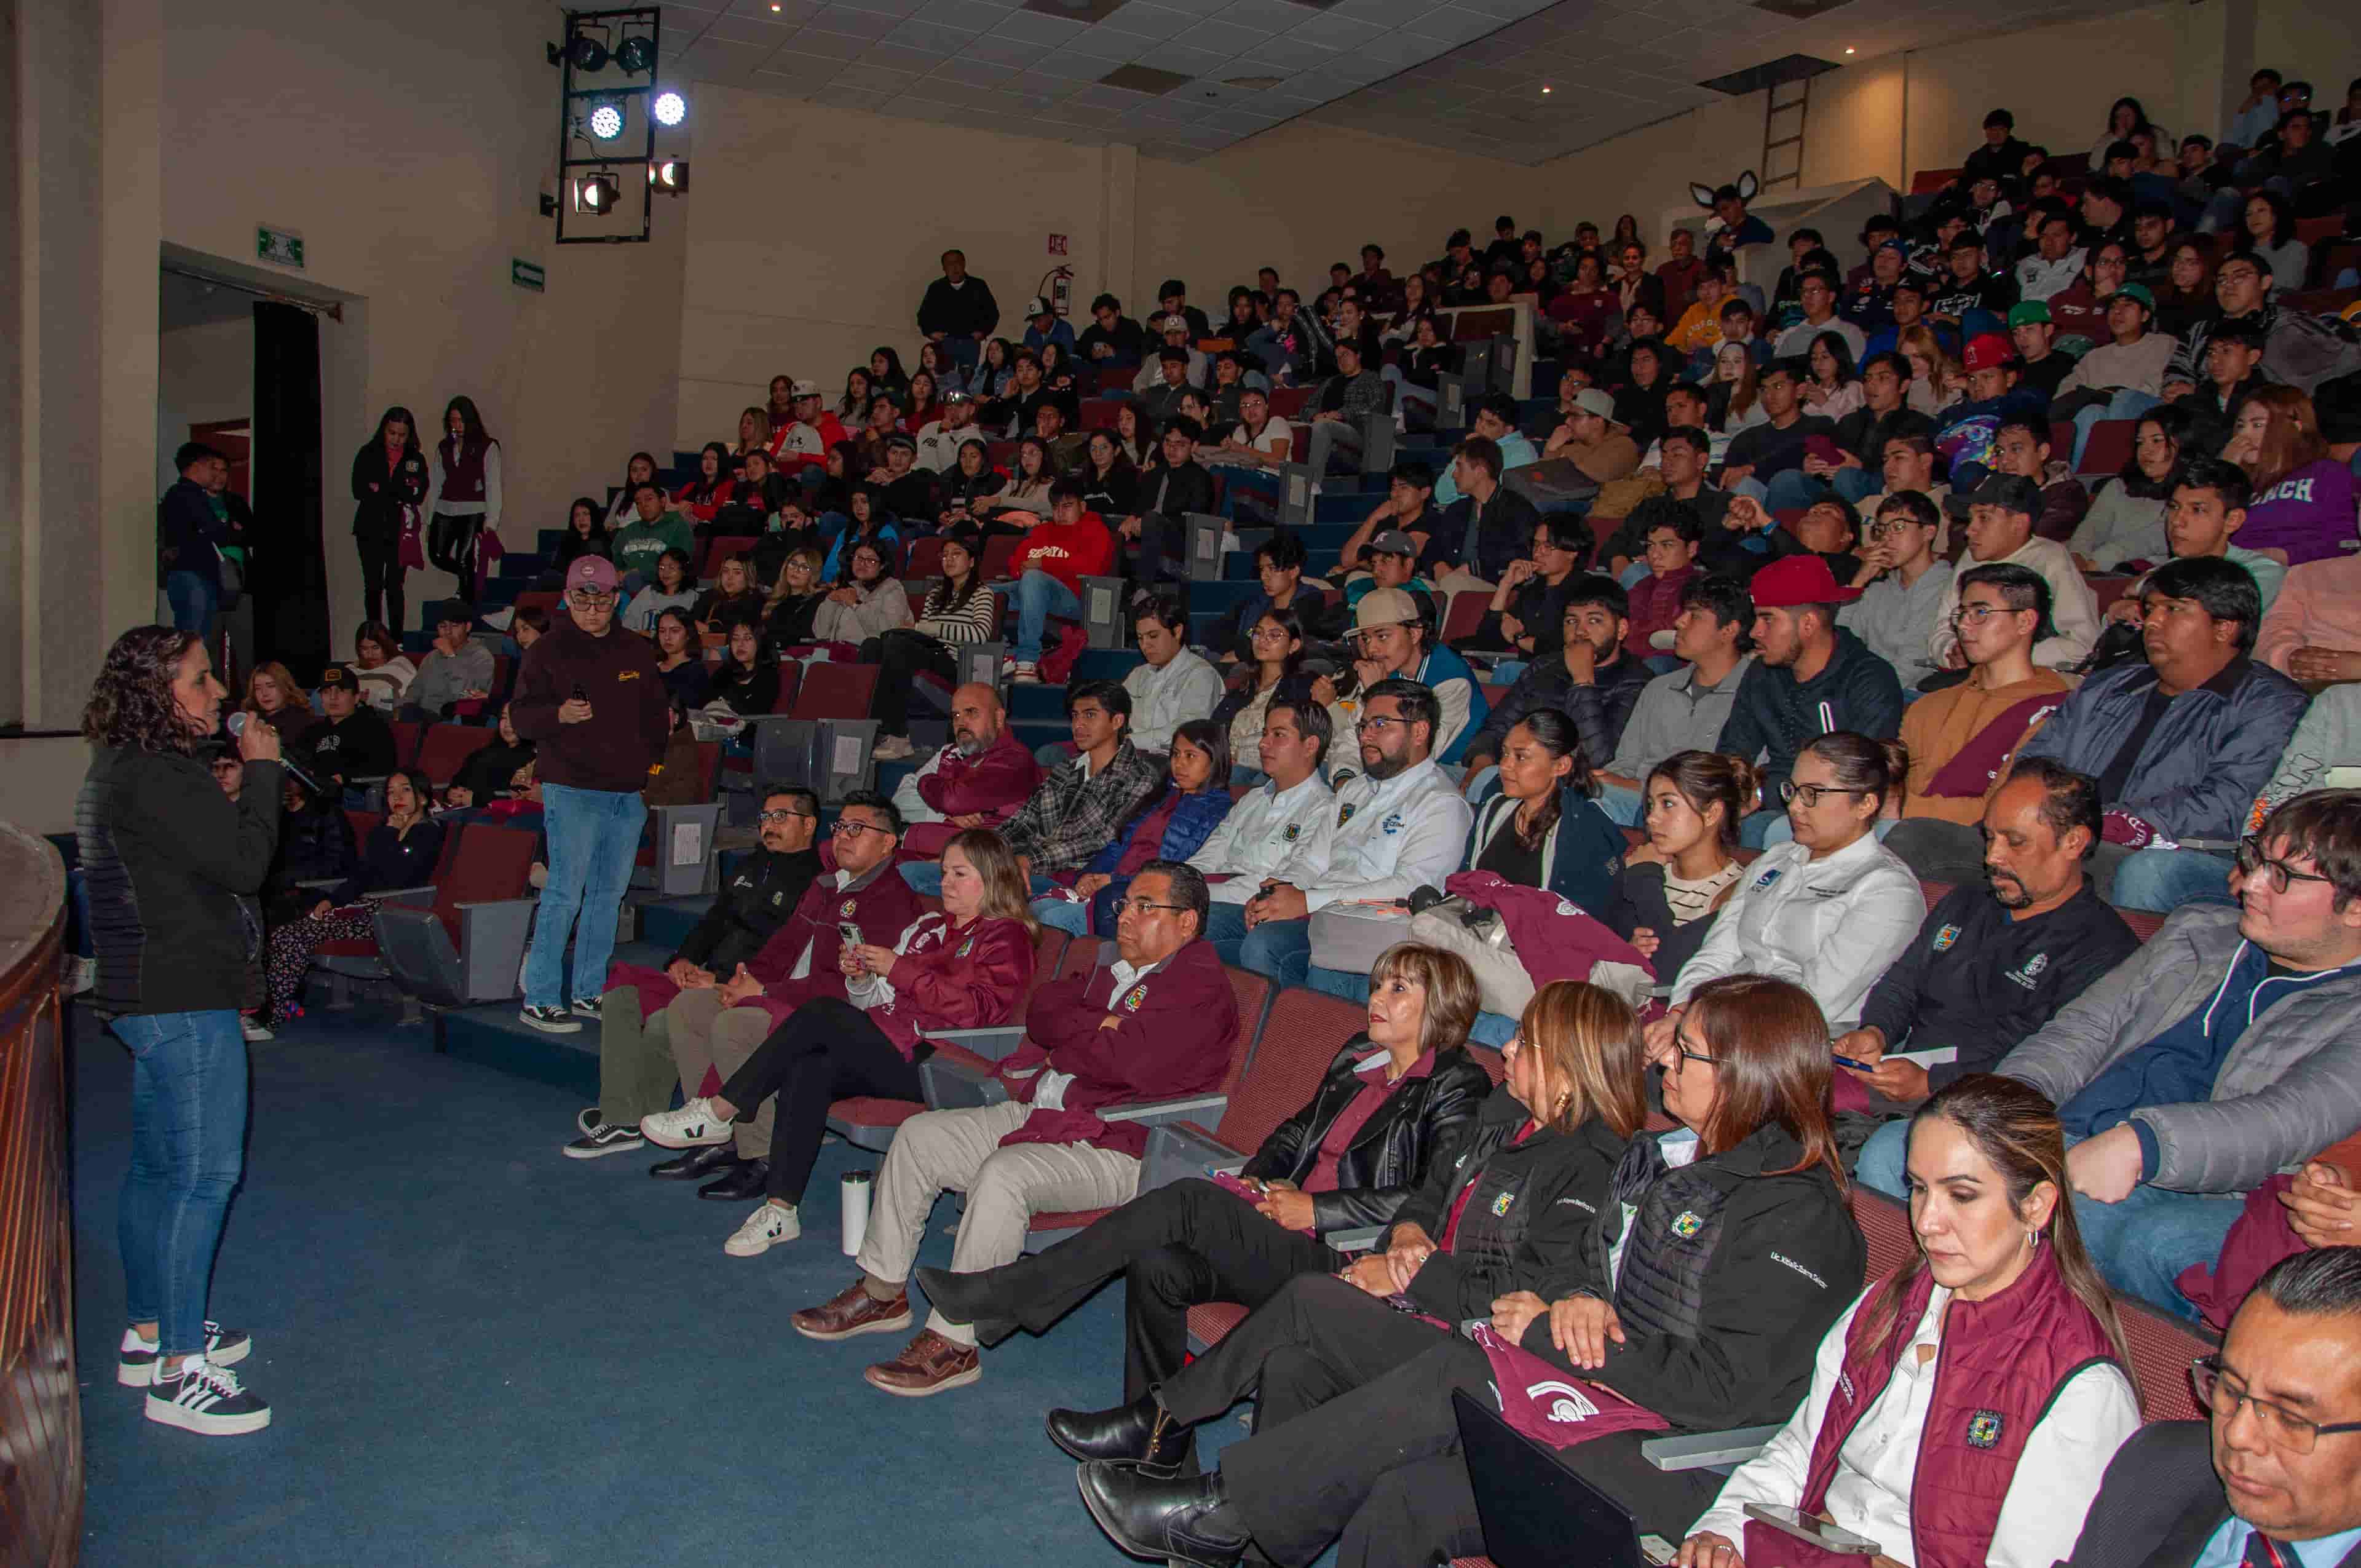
<point x="1144" y="79"/>
<point x="1771" y="72"/>
<point x="1253" y="84"/>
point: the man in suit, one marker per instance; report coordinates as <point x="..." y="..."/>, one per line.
<point x="2273" y="1480"/>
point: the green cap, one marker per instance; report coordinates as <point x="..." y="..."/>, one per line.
<point x="2030" y="311"/>
<point x="2136" y="292"/>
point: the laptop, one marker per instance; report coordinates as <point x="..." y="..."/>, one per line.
<point x="1534" y="1510"/>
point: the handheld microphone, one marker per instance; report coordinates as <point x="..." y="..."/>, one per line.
<point x="236" y="723"/>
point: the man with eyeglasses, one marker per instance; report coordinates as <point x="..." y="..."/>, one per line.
<point x="593" y="702"/>
<point x="711" y="1030"/>
<point x="1903" y="583"/>
<point x="2299" y="348"/>
<point x="1531" y="600"/>
<point x="1391" y="638"/>
<point x="2227" y="1049"/>
<point x="1155" y="1020"/>
<point x="1999" y="513"/>
<point x="1400" y="826"/>
<point x="980" y="780"/>
<point x="2181" y="741"/>
<point x="635" y="1065"/>
<point x="2271" y="1476"/>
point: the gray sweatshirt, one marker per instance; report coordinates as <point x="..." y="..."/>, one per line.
<point x="2120" y="527"/>
<point x="447" y="678"/>
<point x="1894" y="620"/>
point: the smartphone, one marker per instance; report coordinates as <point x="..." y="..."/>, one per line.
<point x="1857" y="1065"/>
<point x="1658" y="1551"/>
<point x="581" y="693"/>
<point x="850" y="932"/>
<point x="1805" y="1528"/>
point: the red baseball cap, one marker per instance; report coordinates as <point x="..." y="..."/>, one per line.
<point x="1795" y="581"/>
<point x="1989" y="351"/>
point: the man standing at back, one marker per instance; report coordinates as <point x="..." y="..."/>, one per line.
<point x="591" y="698"/>
<point x="959" y="312"/>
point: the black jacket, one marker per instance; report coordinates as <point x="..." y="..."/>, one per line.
<point x="380" y="493"/>
<point x="487" y="772"/>
<point x="1778" y="716"/>
<point x="2159" y="1503"/>
<point x="314" y="844"/>
<point x="970" y="308"/>
<point x="1504" y="533"/>
<point x="1731" y="1277"/>
<point x="754" y="903"/>
<point x="1522" y="1227"/>
<point x="166" y="858"/>
<point x="1599" y="710"/>
<point x="391" y="858"/>
<point x="1171" y="492"/>
<point x="359" y="746"/>
<point x="1421" y="1124"/>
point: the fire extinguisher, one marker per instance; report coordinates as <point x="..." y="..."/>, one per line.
<point x="1058" y="288"/>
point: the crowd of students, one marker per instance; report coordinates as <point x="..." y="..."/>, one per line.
<point x="1788" y="612"/>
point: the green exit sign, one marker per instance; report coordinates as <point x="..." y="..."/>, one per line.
<point x="284" y="247"/>
<point x="527" y="274"/>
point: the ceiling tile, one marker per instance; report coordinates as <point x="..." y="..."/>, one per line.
<point x="1181" y="58"/>
<point x="861" y="75"/>
<point x="883" y="7"/>
<point x="1072" y="67"/>
<point x="832" y="46"/>
<point x="1116" y="98"/>
<point x="1453" y="25"/>
<point x="981" y="15"/>
<point x="976" y="73"/>
<point x="1004" y="51"/>
<point x="721" y="61"/>
<point x="915" y="61"/>
<point x="1289" y="53"/>
<point x="808" y="70"/>
<point x="919" y="32"/>
<point x="1395" y="50"/>
<point x="1114" y="48"/>
<point x="1263" y="16"/>
<point x="733" y="30"/>
<point x="1146" y="20"/>
<point x="1035" y="27"/>
<point x="1335" y="31"/>
<point x="851" y="98"/>
<point x="853" y="23"/>
<point x="1227" y="37"/>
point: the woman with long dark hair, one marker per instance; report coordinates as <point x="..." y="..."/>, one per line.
<point x="868" y="603"/>
<point x="2269" y="225"/>
<point x="2303" y="499"/>
<point x="709" y="491"/>
<point x="464" y="502"/>
<point x="969" y="488"/>
<point x="170" y="861"/>
<point x="381" y="670"/>
<point x="389" y="474"/>
<point x="1712" y="1268"/>
<point x="1675" y="883"/>
<point x="959" y="610"/>
<point x="1272" y="673"/>
<point x="640" y="470"/>
<point x="859" y="389"/>
<point x="401" y="851"/>
<point x="886" y="373"/>
<point x="2187" y="296"/>
<point x="2000" y="1294"/>
<point x="747" y="679"/>
<point x="1110" y="484"/>
<point x="680" y="659"/>
<point x="1170" y="822"/>
<point x="2125" y="523"/>
<point x="586" y="534"/>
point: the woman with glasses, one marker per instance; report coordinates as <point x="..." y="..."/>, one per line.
<point x="1998" y="1331"/>
<point x="1828" y="910"/>
<point x="1403" y="1124"/>
<point x="1691" y="1297"/>
<point x="1170" y="822"/>
<point x="1527" y="614"/>
<point x="965" y="968"/>
<point x="1275" y="672"/>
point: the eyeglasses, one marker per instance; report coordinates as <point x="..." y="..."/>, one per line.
<point x="1890" y="530"/>
<point x="1687" y="1055"/>
<point x="1977" y="614"/>
<point x="1378" y="725"/>
<point x="1261" y="632"/>
<point x="2251" y="860"/>
<point x="590" y="599"/>
<point x="783" y="816"/>
<point x="2217" y="1390"/>
<point x="844" y="830"/>
<point x="1144" y="907"/>
<point x="1811" y="794"/>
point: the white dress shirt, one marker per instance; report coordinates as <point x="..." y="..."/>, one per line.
<point x="2057" y="1474"/>
<point x="1270" y="835"/>
<point x="1163" y="700"/>
<point x="1832" y="925"/>
<point x="1394" y="837"/>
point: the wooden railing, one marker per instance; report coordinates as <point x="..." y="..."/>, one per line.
<point x="40" y="1410"/>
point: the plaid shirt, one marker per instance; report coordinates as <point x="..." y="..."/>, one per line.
<point x="1071" y="818"/>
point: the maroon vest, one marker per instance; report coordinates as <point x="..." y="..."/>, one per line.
<point x="463" y="472"/>
<point x="1999" y="1364"/>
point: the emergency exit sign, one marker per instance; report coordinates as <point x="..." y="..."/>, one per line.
<point x="1057" y="244"/>
<point x="284" y="247"/>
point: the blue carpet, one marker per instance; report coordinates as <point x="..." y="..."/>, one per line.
<point x="480" y="1352"/>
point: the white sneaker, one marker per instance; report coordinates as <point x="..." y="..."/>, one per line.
<point x="694" y="1126"/>
<point x="767" y="1226"/>
<point x="206" y="1399"/>
<point x="254" y="1029"/>
<point x="893" y="748"/>
<point x="1028" y="673"/>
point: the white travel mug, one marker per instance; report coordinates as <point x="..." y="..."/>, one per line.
<point x="855" y="1188"/>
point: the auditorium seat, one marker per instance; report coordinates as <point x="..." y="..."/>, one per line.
<point x="444" y="746"/>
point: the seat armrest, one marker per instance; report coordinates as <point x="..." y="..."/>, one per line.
<point x="1356" y="1238"/>
<point x="1706" y="1450"/>
<point x="1178" y="1150"/>
<point x="492" y="938"/>
<point x="1156" y="1112"/>
<point x="951" y="1084"/>
<point x="992" y="1044"/>
<point x="407" y="897"/>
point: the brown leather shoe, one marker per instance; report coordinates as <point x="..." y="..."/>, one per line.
<point x="853" y="1311"/>
<point x="928" y="1364"/>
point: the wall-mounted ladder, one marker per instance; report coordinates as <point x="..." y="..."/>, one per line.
<point x="1783" y="119"/>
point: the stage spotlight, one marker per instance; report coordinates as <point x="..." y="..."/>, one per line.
<point x="670" y="108"/>
<point x="596" y="192"/>
<point x="636" y="55"/>
<point x="669" y="175"/>
<point x="589" y="53"/>
<point x="606" y="119"/>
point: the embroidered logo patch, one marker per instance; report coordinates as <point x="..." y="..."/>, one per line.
<point x="1984" y="1429"/>
<point x="844" y="911"/>
<point x="1766" y="878"/>
<point x="1293" y="832"/>
<point x="1686" y="1224"/>
<point x="967" y="947"/>
<point x="1945" y="938"/>
<point x="2036" y="964"/>
<point x="1393" y="824"/>
<point x="1345" y="814"/>
<point x="1134" y="996"/>
<point x="1501" y="1204"/>
<point x="778" y="898"/>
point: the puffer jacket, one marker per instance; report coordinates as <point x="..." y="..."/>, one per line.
<point x="2299" y="349"/>
<point x="1735" y="1267"/>
<point x="1421" y="1125"/>
<point x="2206" y="760"/>
<point x="1523" y="1225"/>
<point x="1778" y="715"/>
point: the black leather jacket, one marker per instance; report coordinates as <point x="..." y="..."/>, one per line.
<point x="1523" y="1224"/>
<point x="1421" y="1124"/>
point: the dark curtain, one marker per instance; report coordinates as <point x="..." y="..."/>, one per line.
<point x="288" y="575"/>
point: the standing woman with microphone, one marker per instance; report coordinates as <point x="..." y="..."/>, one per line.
<point x="464" y="503"/>
<point x="169" y="859"/>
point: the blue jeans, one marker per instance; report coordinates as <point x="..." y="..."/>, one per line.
<point x="2125" y="404"/>
<point x="1058" y="914"/>
<point x="1279" y="949"/>
<point x="188" y="1149"/>
<point x="1857" y="485"/>
<point x="1336" y="982"/>
<point x="1037" y="595"/>
<point x="196" y="598"/>
<point x="1793" y="490"/>
<point x="594" y="834"/>
<point x="1623" y="806"/>
<point x="963" y="347"/>
<point x="926" y="880"/>
<point x="1409" y="391"/>
<point x="1754" y="827"/>
<point x="2164" y="880"/>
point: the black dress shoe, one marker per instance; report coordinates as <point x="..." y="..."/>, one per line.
<point x="1140" y="1433"/>
<point x="697" y="1164"/>
<point x="751" y="1179"/>
<point x="968" y="1300"/>
<point x="1188" y="1519"/>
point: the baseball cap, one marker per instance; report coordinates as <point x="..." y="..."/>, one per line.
<point x="957" y="396"/>
<point x="1917" y="281"/>
<point x="2010" y="491"/>
<point x="1596" y="402"/>
<point x="1036" y="306"/>
<point x="1893" y="245"/>
<point x="1989" y="351"/>
<point x="1384" y="607"/>
<point x="1393" y="541"/>
<point x="2139" y="292"/>
<point x="903" y="442"/>
<point x="2030" y="311"/>
<point x="1798" y="580"/>
<point x="338" y="676"/>
<point x="452" y="611"/>
<point x="591" y="572"/>
<point x="805" y="389"/>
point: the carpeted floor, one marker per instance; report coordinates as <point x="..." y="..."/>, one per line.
<point x="478" y="1352"/>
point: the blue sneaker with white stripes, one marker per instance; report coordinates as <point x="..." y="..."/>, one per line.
<point x="206" y="1399"/>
